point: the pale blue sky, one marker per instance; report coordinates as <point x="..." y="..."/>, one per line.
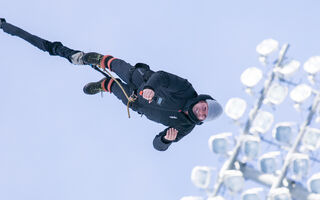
<point x="58" y="143"/>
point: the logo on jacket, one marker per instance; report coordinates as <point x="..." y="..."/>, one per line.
<point x="173" y="117"/>
<point x="159" y="101"/>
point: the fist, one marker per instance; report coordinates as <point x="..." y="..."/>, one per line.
<point x="171" y="134"/>
<point x="148" y="94"/>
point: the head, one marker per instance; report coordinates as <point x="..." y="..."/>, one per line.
<point x="206" y="110"/>
<point x="200" y="110"/>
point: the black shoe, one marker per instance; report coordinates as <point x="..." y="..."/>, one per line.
<point x="2" y="20"/>
<point x="94" y="87"/>
<point x="92" y="58"/>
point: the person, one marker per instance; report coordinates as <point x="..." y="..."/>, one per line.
<point x="160" y="96"/>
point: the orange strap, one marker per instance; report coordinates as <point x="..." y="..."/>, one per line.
<point x="109" y="63"/>
<point x="109" y="85"/>
<point x="103" y="66"/>
<point x="103" y="85"/>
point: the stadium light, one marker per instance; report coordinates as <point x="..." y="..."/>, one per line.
<point x="312" y="65"/>
<point x="219" y="143"/>
<point x="314" y="183"/>
<point x="281" y="175"/>
<point x="301" y="93"/>
<point x="235" y="108"/>
<point x="233" y="180"/>
<point x="300" y="165"/>
<point x="250" y="147"/>
<point x="268" y="162"/>
<point x="282" y="132"/>
<point x="192" y="198"/>
<point x="311" y="139"/>
<point x="201" y="176"/>
<point x="288" y="69"/>
<point x="276" y="94"/>
<point x="251" y="77"/>
<point x="251" y="194"/>
<point x="262" y="122"/>
<point x="267" y="46"/>
<point x="280" y="194"/>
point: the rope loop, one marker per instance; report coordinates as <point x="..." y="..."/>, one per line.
<point x="130" y="99"/>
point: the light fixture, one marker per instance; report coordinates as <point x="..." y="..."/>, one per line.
<point x="250" y="146"/>
<point x="276" y="94"/>
<point x="288" y="69"/>
<point x="192" y="198"/>
<point x="300" y="165"/>
<point x="262" y="122"/>
<point x="301" y="93"/>
<point x="312" y="65"/>
<point x="280" y="194"/>
<point x="201" y="176"/>
<point x="251" y="194"/>
<point x="219" y="143"/>
<point x="267" y="46"/>
<point x="268" y="162"/>
<point x="251" y="77"/>
<point x="233" y="180"/>
<point x="314" y="183"/>
<point x="283" y="132"/>
<point x="235" y="108"/>
<point x="311" y="139"/>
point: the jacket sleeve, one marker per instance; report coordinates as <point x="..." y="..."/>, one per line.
<point x="170" y="82"/>
<point x="161" y="144"/>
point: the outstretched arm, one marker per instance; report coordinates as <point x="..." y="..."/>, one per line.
<point x="164" y="139"/>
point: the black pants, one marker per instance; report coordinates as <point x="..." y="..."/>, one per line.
<point x="131" y="79"/>
<point x="53" y="48"/>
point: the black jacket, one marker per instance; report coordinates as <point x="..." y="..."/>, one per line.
<point x="173" y="96"/>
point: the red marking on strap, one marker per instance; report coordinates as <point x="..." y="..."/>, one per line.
<point x="103" y="66"/>
<point x="109" y="63"/>
<point x="109" y="85"/>
<point x="141" y="92"/>
<point x="179" y="110"/>
<point x="103" y="85"/>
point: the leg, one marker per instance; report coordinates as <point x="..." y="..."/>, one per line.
<point x="120" y="67"/>
<point x="134" y="76"/>
<point x="53" y="48"/>
<point x="108" y="85"/>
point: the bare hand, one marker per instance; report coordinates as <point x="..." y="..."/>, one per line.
<point x="148" y="94"/>
<point x="171" y="134"/>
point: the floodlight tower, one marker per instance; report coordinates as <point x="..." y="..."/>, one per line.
<point x="293" y="149"/>
<point x="233" y="157"/>
<point x="296" y="139"/>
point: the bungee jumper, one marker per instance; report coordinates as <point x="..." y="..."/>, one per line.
<point x="161" y="96"/>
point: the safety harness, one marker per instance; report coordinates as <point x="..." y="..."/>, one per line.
<point x="144" y="74"/>
<point x="105" y="72"/>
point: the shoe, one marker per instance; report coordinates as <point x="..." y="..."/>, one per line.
<point x="92" y="58"/>
<point x="2" y="20"/>
<point x="95" y="87"/>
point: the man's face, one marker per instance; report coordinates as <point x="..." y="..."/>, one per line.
<point x="200" y="109"/>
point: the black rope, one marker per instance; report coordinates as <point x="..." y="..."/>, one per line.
<point x="95" y="67"/>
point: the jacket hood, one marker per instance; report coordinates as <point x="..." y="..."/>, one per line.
<point x="189" y="105"/>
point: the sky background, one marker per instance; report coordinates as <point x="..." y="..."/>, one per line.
<point x="58" y="143"/>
